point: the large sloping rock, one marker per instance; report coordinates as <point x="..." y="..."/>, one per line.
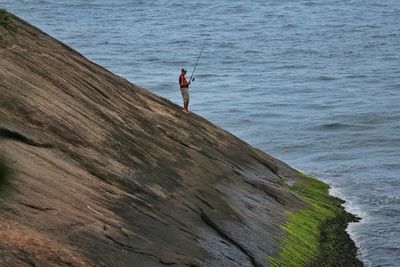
<point x="105" y="173"/>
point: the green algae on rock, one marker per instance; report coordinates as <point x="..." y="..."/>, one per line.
<point x="315" y="236"/>
<point x="6" y="22"/>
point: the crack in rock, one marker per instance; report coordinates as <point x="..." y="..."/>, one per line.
<point x="8" y="134"/>
<point x="273" y="169"/>
<point x="225" y="235"/>
<point x="36" y="207"/>
<point x="269" y="190"/>
<point x="136" y="250"/>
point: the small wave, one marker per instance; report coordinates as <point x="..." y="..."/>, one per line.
<point x="231" y="61"/>
<point x="391" y="166"/>
<point x="366" y="118"/>
<point x="268" y="115"/>
<point x="380" y="201"/>
<point x="327" y="78"/>
<point x="334" y="126"/>
<point x="163" y="86"/>
<point x="211" y="75"/>
<point x="307" y="52"/>
<point x="226" y="45"/>
<point x="252" y="52"/>
<point x="356" y="76"/>
<point x="340" y="126"/>
<point x="384" y="35"/>
<point x="312" y="3"/>
<point x="153" y="59"/>
<point x="180" y="42"/>
<point x="246" y="122"/>
<point x="290" y="26"/>
<point x="294" y="147"/>
<point x="316" y="106"/>
<point x="284" y="67"/>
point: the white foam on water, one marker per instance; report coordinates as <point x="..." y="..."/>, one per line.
<point x="353" y="229"/>
<point x="352" y="207"/>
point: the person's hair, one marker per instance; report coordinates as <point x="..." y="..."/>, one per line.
<point x="183" y="70"/>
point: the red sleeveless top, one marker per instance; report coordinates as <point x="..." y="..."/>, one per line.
<point x="182" y="81"/>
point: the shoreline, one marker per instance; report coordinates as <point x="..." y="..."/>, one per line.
<point x="316" y="235"/>
<point x="334" y="234"/>
<point x="354" y="210"/>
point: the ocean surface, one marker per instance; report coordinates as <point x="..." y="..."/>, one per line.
<point x="313" y="83"/>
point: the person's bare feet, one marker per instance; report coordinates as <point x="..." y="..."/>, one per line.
<point x="184" y="110"/>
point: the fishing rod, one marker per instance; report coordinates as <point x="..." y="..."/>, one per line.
<point x="198" y="58"/>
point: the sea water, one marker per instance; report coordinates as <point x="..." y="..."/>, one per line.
<point x="314" y="83"/>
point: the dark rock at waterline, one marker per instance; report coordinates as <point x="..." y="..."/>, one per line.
<point x="105" y="173"/>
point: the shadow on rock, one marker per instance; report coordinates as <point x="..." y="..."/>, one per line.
<point x="4" y="174"/>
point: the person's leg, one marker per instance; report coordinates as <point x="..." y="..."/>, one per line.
<point x="185" y="94"/>
<point x="183" y="98"/>
<point x="186" y="105"/>
<point x="187" y="100"/>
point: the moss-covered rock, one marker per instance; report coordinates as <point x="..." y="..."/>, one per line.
<point x="316" y="235"/>
<point x="5" y="20"/>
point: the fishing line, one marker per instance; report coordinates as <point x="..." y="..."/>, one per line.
<point x="197" y="61"/>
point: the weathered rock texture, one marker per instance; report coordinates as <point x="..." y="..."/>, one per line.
<point x="105" y="173"/>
